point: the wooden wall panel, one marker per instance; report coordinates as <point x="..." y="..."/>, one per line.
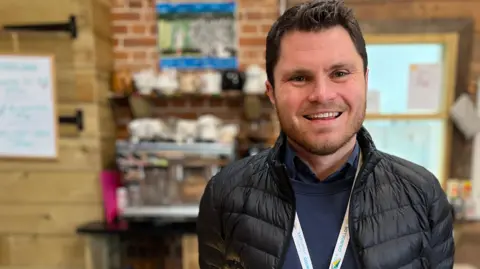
<point x="103" y="47"/>
<point x="102" y="19"/>
<point x="74" y="155"/>
<point x="85" y="85"/>
<point x="34" y="11"/>
<point x="98" y="120"/>
<point x="52" y="252"/>
<point x="53" y="219"/>
<point x="43" y="202"/>
<point x="56" y="187"/>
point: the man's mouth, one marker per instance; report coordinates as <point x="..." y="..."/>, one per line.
<point x="323" y="116"/>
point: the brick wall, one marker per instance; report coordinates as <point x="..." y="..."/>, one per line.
<point x="135" y="32"/>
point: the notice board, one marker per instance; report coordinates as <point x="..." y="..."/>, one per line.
<point x="28" y="117"/>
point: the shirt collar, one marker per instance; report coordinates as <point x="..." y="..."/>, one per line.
<point x="291" y="160"/>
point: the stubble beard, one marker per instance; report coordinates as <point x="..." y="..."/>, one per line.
<point x="322" y="148"/>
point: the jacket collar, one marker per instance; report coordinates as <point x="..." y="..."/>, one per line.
<point x="275" y="161"/>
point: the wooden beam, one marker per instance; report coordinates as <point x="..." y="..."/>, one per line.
<point x="75" y="155"/>
<point x="23" y="187"/>
<point x="46" y="219"/>
<point x="41" y="252"/>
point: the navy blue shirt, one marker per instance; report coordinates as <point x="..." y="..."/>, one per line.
<point x="321" y="206"/>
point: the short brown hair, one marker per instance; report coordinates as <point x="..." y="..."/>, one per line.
<point x="311" y="16"/>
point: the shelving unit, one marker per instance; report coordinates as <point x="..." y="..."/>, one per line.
<point x="178" y="210"/>
<point x="211" y="149"/>
<point x="173" y="211"/>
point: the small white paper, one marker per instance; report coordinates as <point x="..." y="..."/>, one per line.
<point x="425" y="87"/>
<point x="373" y="101"/>
<point x="464" y="115"/>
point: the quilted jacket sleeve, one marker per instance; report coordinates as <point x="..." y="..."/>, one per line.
<point x="209" y="230"/>
<point x="441" y="222"/>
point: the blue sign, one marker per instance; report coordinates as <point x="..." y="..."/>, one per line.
<point x="199" y="63"/>
<point x="171" y="8"/>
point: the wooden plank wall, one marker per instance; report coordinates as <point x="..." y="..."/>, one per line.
<point x="42" y="203"/>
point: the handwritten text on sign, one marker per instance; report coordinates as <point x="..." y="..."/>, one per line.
<point x="27" y="111"/>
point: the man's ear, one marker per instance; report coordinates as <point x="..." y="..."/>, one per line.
<point x="270" y="93"/>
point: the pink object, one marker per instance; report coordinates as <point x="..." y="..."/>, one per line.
<point x="110" y="182"/>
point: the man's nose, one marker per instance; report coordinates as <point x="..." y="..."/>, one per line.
<point x="320" y="91"/>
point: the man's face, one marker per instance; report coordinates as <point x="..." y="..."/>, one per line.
<point x="320" y="89"/>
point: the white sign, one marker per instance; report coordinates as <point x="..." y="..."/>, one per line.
<point x="373" y="101"/>
<point x="425" y="87"/>
<point x="28" y="120"/>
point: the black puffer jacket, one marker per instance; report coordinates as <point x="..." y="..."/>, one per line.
<point x="399" y="215"/>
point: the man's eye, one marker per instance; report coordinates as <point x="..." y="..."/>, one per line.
<point x="298" y="79"/>
<point x="339" y="74"/>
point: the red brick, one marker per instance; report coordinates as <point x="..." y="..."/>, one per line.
<point x="125" y="16"/>
<point x="265" y="28"/>
<point x="251" y="15"/>
<point x="252" y="41"/>
<point x="251" y="53"/>
<point x="135" y="3"/>
<point x="121" y="55"/>
<point x="138" y="42"/>
<point x="118" y="3"/>
<point x="119" y="29"/>
<point x="153" y="55"/>
<point x="248" y="28"/>
<point x="263" y="3"/>
<point x="139" y="55"/>
<point x="153" y="30"/>
<point x="259" y="15"/>
<point x="150" y="16"/>
<point x="150" y="3"/>
<point x="138" y="29"/>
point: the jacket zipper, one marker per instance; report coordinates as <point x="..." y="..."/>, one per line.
<point x="350" y="221"/>
<point x="286" y="241"/>
<point x="354" y="247"/>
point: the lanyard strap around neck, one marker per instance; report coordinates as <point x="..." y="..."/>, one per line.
<point x="342" y="240"/>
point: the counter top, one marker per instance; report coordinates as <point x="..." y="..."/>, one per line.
<point x="160" y="227"/>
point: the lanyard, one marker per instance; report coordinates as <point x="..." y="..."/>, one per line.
<point x="342" y="240"/>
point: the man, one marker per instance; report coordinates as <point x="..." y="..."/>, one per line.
<point x="323" y="196"/>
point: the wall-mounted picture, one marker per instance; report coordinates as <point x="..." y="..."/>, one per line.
<point x="197" y="35"/>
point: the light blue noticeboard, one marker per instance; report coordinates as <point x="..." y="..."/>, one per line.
<point x="391" y="70"/>
<point x="28" y="118"/>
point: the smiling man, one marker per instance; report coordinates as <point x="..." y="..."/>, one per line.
<point x="323" y="196"/>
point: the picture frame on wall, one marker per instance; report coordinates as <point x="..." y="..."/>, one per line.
<point x="197" y="35"/>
